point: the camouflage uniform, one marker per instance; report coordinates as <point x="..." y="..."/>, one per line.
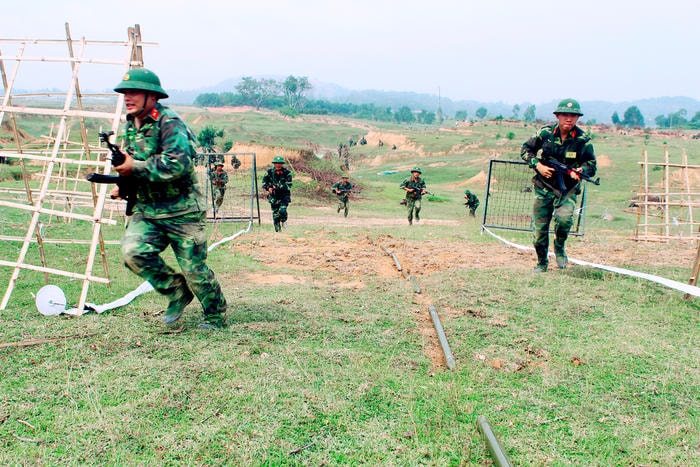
<point x="342" y="188"/>
<point x="472" y="202"/>
<point x="575" y="151"/>
<point x="281" y="183"/>
<point x="413" y="198"/>
<point x="219" y="180"/>
<point x="169" y="210"/>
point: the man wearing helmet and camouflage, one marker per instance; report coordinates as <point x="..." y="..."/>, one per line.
<point x="570" y="145"/>
<point x="219" y="179"/>
<point x="472" y="202"/>
<point x="277" y="181"/>
<point x="342" y="189"/>
<point x="170" y="207"/>
<point x="415" y="189"/>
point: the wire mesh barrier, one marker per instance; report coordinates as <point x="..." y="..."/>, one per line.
<point x="509" y="198"/>
<point x="229" y="181"/>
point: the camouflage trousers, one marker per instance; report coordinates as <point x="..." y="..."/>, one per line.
<point x="279" y="211"/>
<point x="413" y="207"/>
<point x="145" y="239"/>
<point x="547" y="205"/>
<point x="343" y="205"/>
<point x="218" y="193"/>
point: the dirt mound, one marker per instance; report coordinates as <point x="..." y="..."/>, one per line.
<point x="263" y="153"/>
<point x="603" y="161"/>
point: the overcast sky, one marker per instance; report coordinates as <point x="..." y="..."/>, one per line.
<point x="486" y="50"/>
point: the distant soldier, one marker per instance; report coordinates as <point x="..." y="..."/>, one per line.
<point x="219" y="180"/>
<point x="472" y="202"/>
<point x="415" y="189"/>
<point x="342" y="189"/>
<point x="277" y="181"/>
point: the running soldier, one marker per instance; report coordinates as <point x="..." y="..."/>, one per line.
<point x="170" y="207"/>
<point x="277" y="181"/>
<point x="570" y="145"/>
<point x="342" y="189"/>
<point x="415" y="189"/>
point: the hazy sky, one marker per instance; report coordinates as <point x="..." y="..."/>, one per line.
<point x="488" y="50"/>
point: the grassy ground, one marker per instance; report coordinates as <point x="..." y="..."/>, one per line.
<point x="331" y="358"/>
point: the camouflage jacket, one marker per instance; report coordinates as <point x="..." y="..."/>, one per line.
<point x="342" y="189"/>
<point x="575" y="151"/>
<point x="163" y="150"/>
<point x="417" y="185"/>
<point x="218" y="179"/>
<point x="472" y="200"/>
<point x="281" y="182"/>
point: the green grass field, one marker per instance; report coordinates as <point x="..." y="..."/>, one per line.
<point x="331" y="357"/>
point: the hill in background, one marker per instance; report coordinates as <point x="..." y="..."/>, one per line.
<point x="600" y="111"/>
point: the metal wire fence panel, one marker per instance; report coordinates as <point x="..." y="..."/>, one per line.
<point x="232" y="197"/>
<point x="509" y="198"/>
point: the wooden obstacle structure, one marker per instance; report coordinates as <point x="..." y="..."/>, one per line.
<point x="668" y="202"/>
<point x="54" y="165"/>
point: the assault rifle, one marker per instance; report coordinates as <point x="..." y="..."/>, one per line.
<point x="126" y="185"/>
<point x="564" y="170"/>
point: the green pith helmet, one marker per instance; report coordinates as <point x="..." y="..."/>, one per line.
<point x="278" y="160"/>
<point x="345" y="176"/>
<point x="416" y="169"/>
<point x="568" y="106"/>
<point x="141" y="79"/>
<point x="467" y="192"/>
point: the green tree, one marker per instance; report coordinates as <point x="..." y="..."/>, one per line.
<point x="615" y="119"/>
<point x="529" y="115"/>
<point x="426" y="117"/>
<point x="694" y="122"/>
<point x="481" y="113"/>
<point x="516" y="112"/>
<point x="206" y="138"/>
<point x="257" y="91"/>
<point x="404" y="115"/>
<point x="209" y="99"/>
<point x="461" y="115"/>
<point x="633" y="118"/>
<point x="294" y="89"/>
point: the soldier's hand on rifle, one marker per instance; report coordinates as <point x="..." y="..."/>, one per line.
<point x="574" y="173"/>
<point x="114" y="192"/>
<point x="545" y="170"/>
<point x="125" y="169"/>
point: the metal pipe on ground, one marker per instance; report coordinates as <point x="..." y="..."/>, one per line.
<point x="416" y="287"/>
<point x="396" y="261"/>
<point x="449" y="358"/>
<point x="500" y="458"/>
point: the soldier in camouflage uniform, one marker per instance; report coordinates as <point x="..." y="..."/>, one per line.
<point x="415" y="189"/>
<point x="569" y="144"/>
<point x="277" y="181"/>
<point x="342" y="189"/>
<point x="472" y="202"/>
<point x="219" y="180"/>
<point x="170" y="206"/>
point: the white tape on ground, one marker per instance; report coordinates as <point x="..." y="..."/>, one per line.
<point x="145" y="286"/>
<point x="681" y="287"/>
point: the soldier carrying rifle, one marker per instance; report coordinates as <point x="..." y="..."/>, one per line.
<point x="277" y="181"/>
<point x="342" y="189"/>
<point x="555" y="192"/>
<point x="415" y="189"/>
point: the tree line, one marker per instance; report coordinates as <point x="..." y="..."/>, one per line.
<point x="289" y="97"/>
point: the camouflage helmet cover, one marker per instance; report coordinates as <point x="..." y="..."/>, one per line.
<point x="568" y="106"/>
<point x="141" y="79"/>
<point x="278" y="160"/>
<point x="416" y="169"/>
